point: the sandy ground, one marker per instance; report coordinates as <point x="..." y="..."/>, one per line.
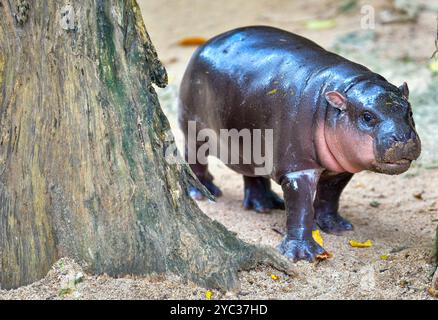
<point x="398" y="213"/>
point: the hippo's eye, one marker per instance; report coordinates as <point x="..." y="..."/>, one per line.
<point x="368" y="118"/>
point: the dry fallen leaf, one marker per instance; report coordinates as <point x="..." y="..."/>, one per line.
<point x="324" y="256"/>
<point x="192" y="41"/>
<point x="208" y="295"/>
<point x="171" y="60"/>
<point x="317" y="237"/>
<point x="433" y="292"/>
<point x="357" y="244"/>
<point x="419" y="195"/>
<point x="375" y="204"/>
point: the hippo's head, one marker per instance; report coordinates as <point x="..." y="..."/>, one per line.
<point x="371" y="128"/>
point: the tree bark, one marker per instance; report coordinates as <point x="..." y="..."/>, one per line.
<point x="82" y="143"/>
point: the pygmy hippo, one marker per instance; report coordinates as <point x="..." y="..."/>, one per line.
<point x="330" y="119"/>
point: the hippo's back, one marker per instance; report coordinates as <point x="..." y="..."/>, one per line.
<point x="259" y="49"/>
<point x="248" y="68"/>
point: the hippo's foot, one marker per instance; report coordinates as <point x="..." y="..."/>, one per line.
<point x="300" y="249"/>
<point x="333" y="223"/>
<point x="196" y="194"/>
<point x="263" y="201"/>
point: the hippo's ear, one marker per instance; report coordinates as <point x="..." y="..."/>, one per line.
<point x="404" y="90"/>
<point x="336" y="100"/>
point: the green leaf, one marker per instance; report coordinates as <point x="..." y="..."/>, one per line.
<point x="321" y="24"/>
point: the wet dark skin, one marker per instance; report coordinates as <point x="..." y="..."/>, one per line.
<point x="330" y="118"/>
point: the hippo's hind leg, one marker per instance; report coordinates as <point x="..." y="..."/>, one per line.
<point x="327" y="204"/>
<point x="204" y="176"/>
<point x="259" y="196"/>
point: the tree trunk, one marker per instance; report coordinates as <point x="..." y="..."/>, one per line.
<point x="82" y="143"/>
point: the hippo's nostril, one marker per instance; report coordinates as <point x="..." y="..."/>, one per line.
<point x="403" y="138"/>
<point x="413" y="136"/>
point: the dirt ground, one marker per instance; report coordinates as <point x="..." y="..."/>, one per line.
<point x="398" y="213"/>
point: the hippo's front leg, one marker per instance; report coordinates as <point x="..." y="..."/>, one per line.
<point x="299" y="194"/>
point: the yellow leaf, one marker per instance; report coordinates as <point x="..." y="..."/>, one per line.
<point x="208" y="295"/>
<point x="433" y="292"/>
<point x="272" y="92"/>
<point x="317" y="237"/>
<point x="384" y="257"/>
<point x="192" y="41"/>
<point x="433" y="66"/>
<point x="170" y="78"/>
<point x="359" y="185"/>
<point x="357" y="244"/>
<point x="275" y="277"/>
<point x="321" y="24"/>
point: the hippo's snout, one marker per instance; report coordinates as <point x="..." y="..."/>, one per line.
<point x="396" y="153"/>
<point x="400" y="150"/>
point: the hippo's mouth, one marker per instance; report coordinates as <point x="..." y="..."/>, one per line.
<point x="395" y="167"/>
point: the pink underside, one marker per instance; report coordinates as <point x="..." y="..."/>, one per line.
<point x="325" y="156"/>
<point x="340" y="152"/>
